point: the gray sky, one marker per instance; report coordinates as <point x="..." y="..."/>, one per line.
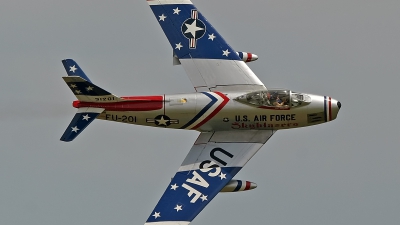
<point x="343" y="172"/>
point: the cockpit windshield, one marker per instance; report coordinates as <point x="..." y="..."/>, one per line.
<point x="276" y="99"/>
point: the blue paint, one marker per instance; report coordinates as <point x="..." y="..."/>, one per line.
<point x="175" y="27"/>
<point x="78" y="122"/>
<point x="179" y="197"/>
<point x="70" y="63"/>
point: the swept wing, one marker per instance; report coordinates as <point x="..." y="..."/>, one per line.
<point x="210" y="63"/>
<point x="215" y="158"/>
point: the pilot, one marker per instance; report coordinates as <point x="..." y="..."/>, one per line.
<point x="268" y="99"/>
<point x="280" y="102"/>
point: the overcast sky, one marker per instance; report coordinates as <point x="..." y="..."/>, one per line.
<point x="343" y="172"/>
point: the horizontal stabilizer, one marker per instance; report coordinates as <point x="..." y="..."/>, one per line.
<point x="81" y="120"/>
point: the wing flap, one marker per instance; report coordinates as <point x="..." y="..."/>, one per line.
<point x="215" y="74"/>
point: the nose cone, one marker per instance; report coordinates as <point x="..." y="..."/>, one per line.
<point x="332" y="108"/>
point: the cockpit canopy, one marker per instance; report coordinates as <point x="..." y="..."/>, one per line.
<point x="275" y="99"/>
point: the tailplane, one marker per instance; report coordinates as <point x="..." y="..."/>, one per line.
<point x="85" y="91"/>
<point x="81" y="120"/>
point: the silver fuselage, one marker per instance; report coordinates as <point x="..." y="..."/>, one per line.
<point x="215" y="111"/>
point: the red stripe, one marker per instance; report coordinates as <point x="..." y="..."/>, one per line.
<point x="158" y="98"/>
<point x="194" y="14"/>
<point x="134" y="103"/>
<point x="275" y="107"/>
<point x="247" y="186"/>
<point x="249" y="57"/>
<point x="226" y="100"/>
<point x="330" y="109"/>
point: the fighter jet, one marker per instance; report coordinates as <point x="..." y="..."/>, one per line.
<point x="233" y="111"/>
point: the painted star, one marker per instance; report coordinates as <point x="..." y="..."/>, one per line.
<point x="204" y="198"/>
<point x="177" y="10"/>
<point x="222" y="175"/>
<point x="162" y="17"/>
<point x="211" y="37"/>
<point x="90" y="88"/>
<point x="87" y="117"/>
<point x="178" y="207"/>
<point x="226" y="53"/>
<point x="179" y="46"/>
<point x="78" y="91"/>
<point x="72" y="68"/>
<point x="73" y="85"/>
<point x="174" y="187"/>
<point x="162" y="121"/>
<point x="75" y="129"/>
<point x="192" y="28"/>
<point x="156" y="215"/>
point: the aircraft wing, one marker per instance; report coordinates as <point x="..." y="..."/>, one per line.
<point x="210" y="63"/>
<point x="215" y="158"/>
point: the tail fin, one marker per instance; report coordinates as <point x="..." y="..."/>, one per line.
<point x="82" y="87"/>
<point x="84" y="91"/>
<point x="73" y="69"/>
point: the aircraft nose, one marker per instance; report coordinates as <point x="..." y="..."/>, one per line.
<point x="332" y="108"/>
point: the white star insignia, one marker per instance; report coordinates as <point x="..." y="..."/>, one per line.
<point x="222" y="175"/>
<point x="73" y="85"/>
<point x="156" y="215"/>
<point x="204" y="198"/>
<point x="90" y="88"/>
<point x="179" y="46"/>
<point x="75" y="129"/>
<point x="87" y="117"/>
<point x="192" y="28"/>
<point x="211" y="37"/>
<point x="72" y="68"/>
<point x="177" y="10"/>
<point x="226" y="53"/>
<point x="78" y="91"/>
<point x="174" y="187"/>
<point x="162" y="17"/>
<point x="178" y="207"/>
<point x="162" y="121"/>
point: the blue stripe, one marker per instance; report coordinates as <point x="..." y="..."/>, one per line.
<point x="204" y="110"/>
<point x="239" y="185"/>
<point x="326" y="119"/>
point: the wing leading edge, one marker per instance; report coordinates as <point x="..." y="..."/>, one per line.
<point x="210" y="63"/>
<point x="214" y="159"/>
